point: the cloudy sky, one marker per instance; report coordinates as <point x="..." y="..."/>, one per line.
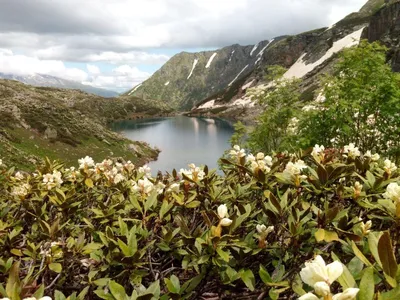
<point x="116" y="44"/>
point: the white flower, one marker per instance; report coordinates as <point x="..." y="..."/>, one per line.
<point x="358" y="186"/>
<point x="143" y="186"/>
<point x="352" y="150"/>
<point x="260" y="156"/>
<point x="21" y="190"/>
<point x="308" y="296"/>
<point x="160" y="187"/>
<point x="52" y="180"/>
<point x="145" y="170"/>
<point x="173" y="188"/>
<point x="223" y="215"/>
<point x="389" y="167"/>
<point x="86" y="162"/>
<point x="237" y="153"/>
<point x="371" y="120"/>
<point x="295" y="168"/>
<point x="348" y="294"/>
<point x="19" y="176"/>
<point x="321" y="288"/>
<point x="365" y="227"/>
<point x="250" y="158"/>
<point x="318" y="152"/>
<point x="129" y="166"/>
<point x="194" y="173"/>
<point x="373" y="157"/>
<point x="222" y="211"/>
<point x="261" y="228"/>
<point x="1" y="162"/>
<point x="225" y="222"/>
<point x="316" y="271"/>
<point x="293" y="125"/>
<point x="308" y="108"/>
<point x="118" y="178"/>
<point x="392" y="192"/>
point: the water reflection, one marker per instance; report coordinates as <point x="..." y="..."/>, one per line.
<point x="182" y="140"/>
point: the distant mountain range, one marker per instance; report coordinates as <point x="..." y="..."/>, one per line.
<point x="52" y="81"/>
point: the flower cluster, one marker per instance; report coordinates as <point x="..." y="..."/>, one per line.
<point x="259" y="162"/>
<point x="53" y="180"/>
<point x="194" y="173"/>
<point x="351" y="150"/>
<point x="237" y="153"/>
<point x="21" y="191"/>
<point x="318" y="153"/>
<point x="86" y="162"/>
<point x="389" y="167"/>
<point x="320" y="276"/>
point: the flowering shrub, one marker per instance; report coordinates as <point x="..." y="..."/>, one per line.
<point x="319" y="224"/>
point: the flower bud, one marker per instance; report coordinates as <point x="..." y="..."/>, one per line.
<point x="225" y="222"/>
<point x="222" y="211"/>
<point x="309" y="296"/>
<point x="348" y="294"/>
<point x="322" y="288"/>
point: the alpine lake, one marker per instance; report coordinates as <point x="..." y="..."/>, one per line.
<point x="182" y="140"/>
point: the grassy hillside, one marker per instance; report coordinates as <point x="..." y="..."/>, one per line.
<point x="65" y="124"/>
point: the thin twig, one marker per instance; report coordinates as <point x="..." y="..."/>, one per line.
<point x="53" y="282"/>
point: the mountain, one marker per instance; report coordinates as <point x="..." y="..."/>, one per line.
<point x="221" y="89"/>
<point x="52" y="81"/>
<point x="309" y="55"/>
<point x="64" y="124"/>
<point x="190" y="77"/>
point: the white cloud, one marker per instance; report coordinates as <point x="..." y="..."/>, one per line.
<point x="120" y="78"/>
<point x="24" y="65"/>
<point x="93" y="69"/>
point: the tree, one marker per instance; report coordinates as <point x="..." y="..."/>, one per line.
<point x="276" y="125"/>
<point x="362" y="104"/>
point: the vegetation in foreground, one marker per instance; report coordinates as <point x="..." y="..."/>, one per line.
<point x="320" y="224"/>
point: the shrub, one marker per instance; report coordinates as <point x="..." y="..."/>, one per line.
<point x="309" y="225"/>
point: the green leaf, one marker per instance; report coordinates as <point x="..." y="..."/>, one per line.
<point x="117" y="291"/>
<point x="320" y="235"/>
<point x="391" y="295"/>
<point x="125" y="249"/>
<point x="55" y="267"/>
<point x="13" y="287"/>
<point x="150" y="201"/>
<point x="193" y="204"/>
<point x="59" y="296"/>
<point x="264" y="275"/>
<point x="173" y="284"/>
<point x="39" y="292"/>
<point x="367" y="285"/>
<point x="132" y="242"/>
<point x="224" y="255"/>
<point x="89" y="248"/>
<point x="373" y="238"/>
<point x="248" y="279"/>
<point x="360" y="255"/>
<point x="386" y="255"/>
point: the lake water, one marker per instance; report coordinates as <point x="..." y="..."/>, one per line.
<point x="182" y="140"/>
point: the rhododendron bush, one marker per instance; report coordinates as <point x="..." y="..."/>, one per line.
<point x="318" y="224"/>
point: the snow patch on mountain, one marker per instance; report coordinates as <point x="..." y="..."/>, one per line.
<point x="210" y="60"/>
<point x="237" y="76"/>
<point x="254" y="49"/>
<point x="300" y="68"/>
<point x="230" y="58"/>
<point x="134" y="90"/>
<point x="194" y="66"/>
<point x="265" y="48"/>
